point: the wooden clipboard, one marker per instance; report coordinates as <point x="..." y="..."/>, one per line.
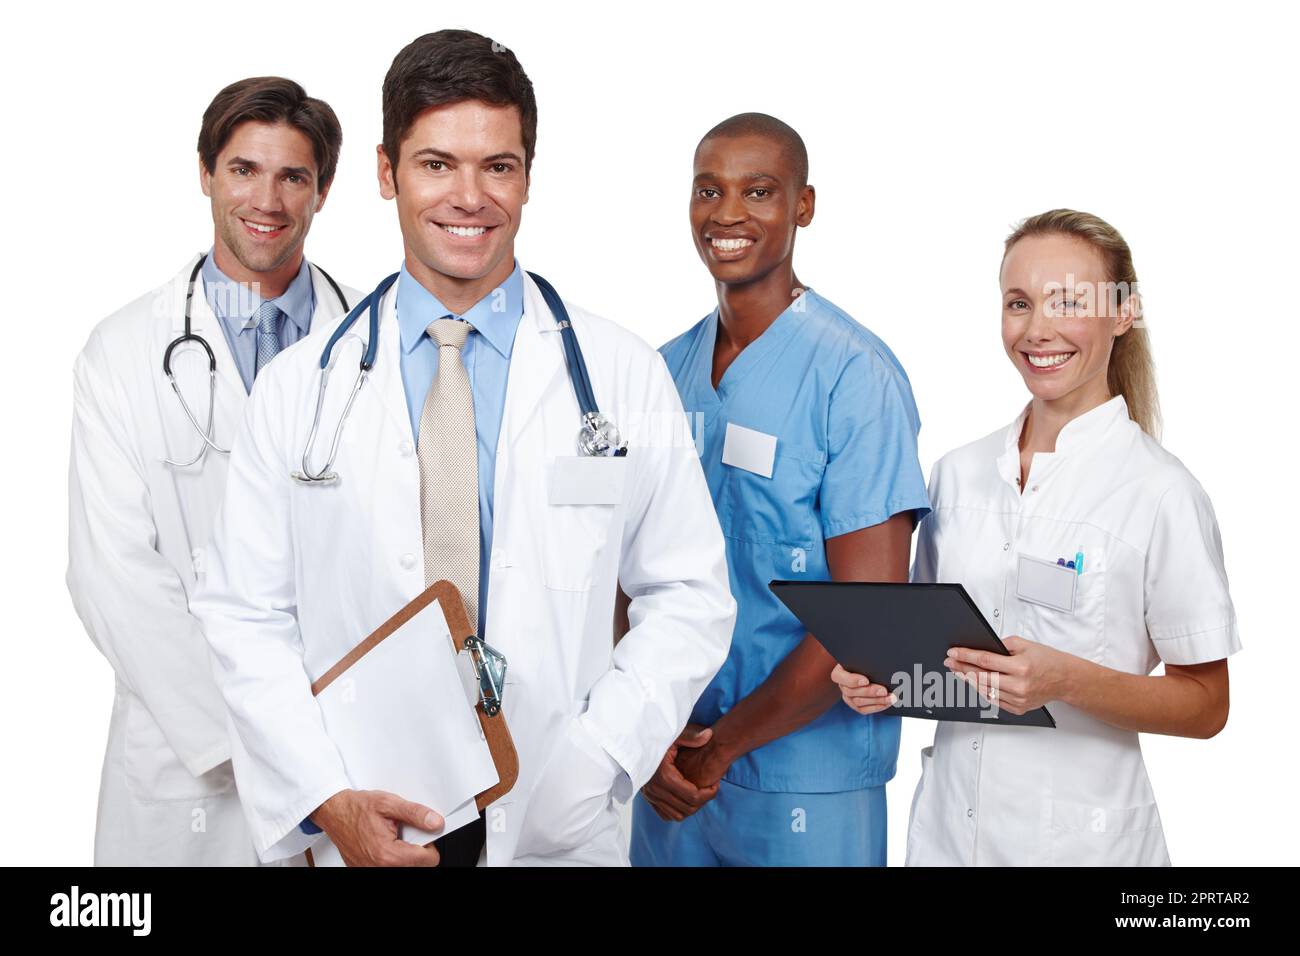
<point x="500" y="744"/>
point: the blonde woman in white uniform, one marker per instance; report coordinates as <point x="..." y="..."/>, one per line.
<point x="1077" y="479"/>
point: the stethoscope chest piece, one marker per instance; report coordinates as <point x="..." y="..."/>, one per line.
<point x="599" y="437"/>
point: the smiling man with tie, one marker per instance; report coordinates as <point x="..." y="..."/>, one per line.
<point x="146" y="476"/>
<point x="458" y="462"/>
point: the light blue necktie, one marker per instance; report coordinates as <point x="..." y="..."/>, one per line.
<point x="268" y="334"/>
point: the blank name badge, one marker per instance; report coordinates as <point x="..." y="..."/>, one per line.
<point x="580" y="480"/>
<point x="1047" y="584"/>
<point x="754" y="451"/>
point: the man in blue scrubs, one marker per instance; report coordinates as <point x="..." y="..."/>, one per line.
<point x="807" y="430"/>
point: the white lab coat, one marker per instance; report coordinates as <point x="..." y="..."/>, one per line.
<point x="137" y="530"/>
<point x="1153" y="588"/>
<point x="299" y="574"/>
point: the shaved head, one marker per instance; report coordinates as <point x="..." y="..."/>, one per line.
<point x="790" y="143"/>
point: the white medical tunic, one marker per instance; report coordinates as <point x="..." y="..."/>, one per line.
<point x="1152" y="588"/>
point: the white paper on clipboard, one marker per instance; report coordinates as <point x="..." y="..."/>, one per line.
<point x="401" y="723"/>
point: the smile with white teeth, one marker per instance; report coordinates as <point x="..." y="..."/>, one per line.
<point x="1049" y="361"/>
<point x="731" y="245"/>
<point x="260" y="227"/>
<point x="467" y="231"/>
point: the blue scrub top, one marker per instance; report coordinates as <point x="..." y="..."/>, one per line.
<point x="841" y="409"/>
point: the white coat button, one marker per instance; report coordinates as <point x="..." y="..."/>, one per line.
<point x="970" y="813"/>
<point x="408" y="561"/>
<point x="974" y="745"/>
<point x="1006" y="546"/>
<point x="997" y="613"/>
<point x="1035" y="488"/>
<point x="405" y="449"/>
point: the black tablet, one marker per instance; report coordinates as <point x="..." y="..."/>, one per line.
<point x="898" y="635"/>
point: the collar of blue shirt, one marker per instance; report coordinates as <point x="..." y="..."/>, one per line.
<point x="495" y="316"/>
<point x="236" y="305"/>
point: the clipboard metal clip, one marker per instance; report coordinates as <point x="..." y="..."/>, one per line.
<point x="490" y="666"/>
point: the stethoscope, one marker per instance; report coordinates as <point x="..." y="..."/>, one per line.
<point x="189" y="335"/>
<point x="598" y="438"/>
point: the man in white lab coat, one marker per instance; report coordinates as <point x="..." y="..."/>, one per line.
<point x="146" y="477"/>
<point x="467" y="352"/>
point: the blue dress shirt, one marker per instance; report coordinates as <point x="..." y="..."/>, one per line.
<point x="486" y="354"/>
<point x="235" y="307"/>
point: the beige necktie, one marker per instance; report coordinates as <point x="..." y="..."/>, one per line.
<point x="448" y="454"/>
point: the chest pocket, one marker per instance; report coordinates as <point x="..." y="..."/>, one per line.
<point x="1048" y="619"/>
<point x="780" y="510"/>
<point x="583" y="495"/>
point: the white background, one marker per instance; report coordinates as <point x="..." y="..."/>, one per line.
<point x="931" y="130"/>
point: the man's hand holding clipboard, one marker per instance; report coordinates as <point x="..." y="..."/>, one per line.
<point x="366" y="828"/>
<point x="398" y="713"/>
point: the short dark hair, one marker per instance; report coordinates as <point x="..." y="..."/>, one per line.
<point x="272" y="99"/>
<point x="761" y="124"/>
<point x="452" y="66"/>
